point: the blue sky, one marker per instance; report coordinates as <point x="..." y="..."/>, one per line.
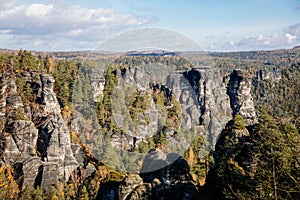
<point x="215" y="25"/>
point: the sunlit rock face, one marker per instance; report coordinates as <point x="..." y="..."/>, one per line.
<point x="204" y="102"/>
<point x="241" y="101"/>
<point x="208" y="100"/>
<point x="265" y="74"/>
<point x="37" y="140"/>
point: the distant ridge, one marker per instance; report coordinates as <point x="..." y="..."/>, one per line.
<point x="296" y="47"/>
<point x="77" y="53"/>
<point x="150" y="53"/>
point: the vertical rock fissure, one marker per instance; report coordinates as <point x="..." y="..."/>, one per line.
<point x="39" y="177"/>
<point x="194" y="76"/>
<point x="232" y="91"/>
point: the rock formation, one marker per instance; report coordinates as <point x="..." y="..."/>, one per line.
<point x="241" y="101"/>
<point x="172" y="181"/>
<point x="264" y="74"/>
<point x="202" y="95"/>
<point x="207" y="97"/>
<point x="37" y="140"/>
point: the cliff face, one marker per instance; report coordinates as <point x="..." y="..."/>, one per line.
<point x="202" y="95"/>
<point x="172" y="181"/>
<point x="241" y="101"/>
<point x="134" y="83"/>
<point x="37" y="140"/>
<point x="265" y="74"/>
<point x="208" y="100"/>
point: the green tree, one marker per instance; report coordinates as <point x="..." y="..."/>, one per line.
<point x="160" y="139"/>
<point x="277" y="164"/>
<point x="259" y="165"/>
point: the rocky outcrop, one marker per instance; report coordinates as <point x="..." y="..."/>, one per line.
<point x="154" y="161"/>
<point x="97" y="81"/>
<point x="37" y="138"/>
<point x="130" y="82"/>
<point x="265" y="74"/>
<point x="241" y="101"/>
<point x="208" y="100"/>
<point x="172" y="180"/>
<point x="187" y="95"/>
<point x="128" y="185"/>
<point x="202" y="95"/>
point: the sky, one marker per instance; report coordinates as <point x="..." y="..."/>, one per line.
<point x="215" y="25"/>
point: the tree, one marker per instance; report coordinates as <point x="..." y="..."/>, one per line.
<point x="8" y="187"/>
<point x="160" y="139"/>
<point x="262" y="165"/>
<point x="275" y="145"/>
<point x="228" y="173"/>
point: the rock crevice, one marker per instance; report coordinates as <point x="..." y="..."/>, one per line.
<point x="36" y="136"/>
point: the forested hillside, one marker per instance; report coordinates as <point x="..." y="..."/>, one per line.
<point x="196" y="126"/>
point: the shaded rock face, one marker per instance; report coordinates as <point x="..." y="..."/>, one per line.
<point x="171" y="180"/>
<point x="37" y="140"/>
<point x="154" y="163"/>
<point x="129" y="184"/>
<point x="241" y="101"/>
<point x="131" y="188"/>
<point x="168" y="169"/>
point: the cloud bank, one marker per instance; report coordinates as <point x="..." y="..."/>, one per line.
<point x="47" y="26"/>
<point x="289" y="38"/>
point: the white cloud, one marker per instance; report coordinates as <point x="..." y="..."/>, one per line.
<point x="42" y="22"/>
<point x="38" y="10"/>
<point x="294" y="30"/>
<point x="7" y="3"/>
<point x="290" y="38"/>
<point x="5" y="31"/>
<point x="257" y="42"/>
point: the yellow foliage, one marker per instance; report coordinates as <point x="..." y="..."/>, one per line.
<point x="60" y="190"/>
<point x="191" y="158"/>
<point x="236" y="166"/>
<point x="194" y="177"/>
<point x="8" y="188"/>
<point x="66" y="113"/>
<point x="202" y="181"/>
<point x="75" y="138"/>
